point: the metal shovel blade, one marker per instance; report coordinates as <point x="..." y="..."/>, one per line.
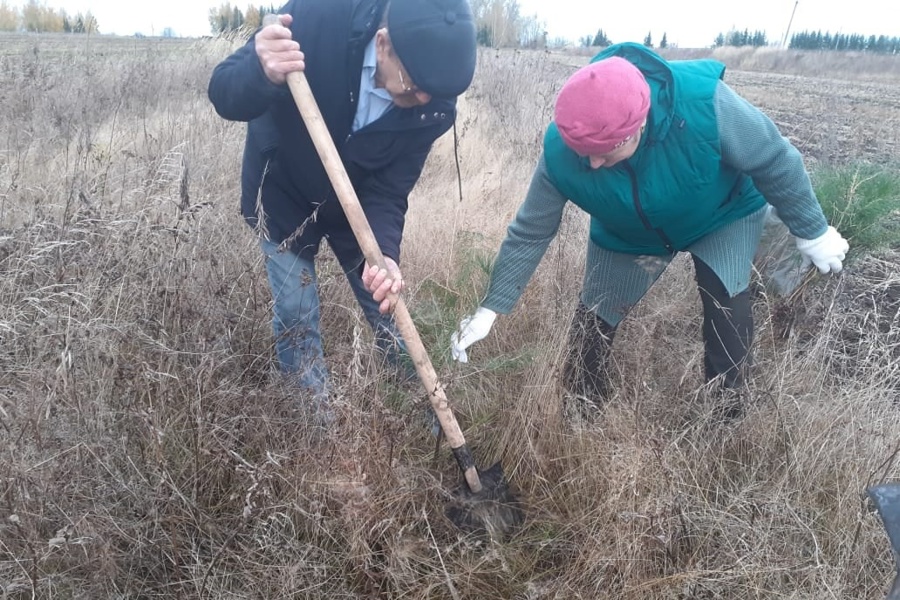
<point x="886" y="498"/>
<point x="494" y="511"/>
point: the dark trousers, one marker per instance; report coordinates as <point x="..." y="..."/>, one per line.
<point x="727" y="328"/>
<point x="727" y="338"/>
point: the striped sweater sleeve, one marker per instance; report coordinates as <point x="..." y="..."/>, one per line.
<point x="752" y="144"/>
<point x="527" y="238"/>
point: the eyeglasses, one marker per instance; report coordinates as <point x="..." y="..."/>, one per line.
<point x="407" y="89"/>
<point x="623" y="142"/>
<point x="609" y="154"/>
<point x="626" y="140"/>
<point x="612" y="154"/>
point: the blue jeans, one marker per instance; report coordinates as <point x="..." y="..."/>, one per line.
<point x="298" y="341"/>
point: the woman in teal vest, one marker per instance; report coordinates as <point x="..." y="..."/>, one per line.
<point x="665" y="158"/>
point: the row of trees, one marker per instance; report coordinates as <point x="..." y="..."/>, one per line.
<point x="741" y="38"/>
<point x="598" y="39"/>
<point x="225" y="17"/>
<point x="499" y="23"/>
<point x="663" y="42"/>
<point x="816" y="40"/>
<point x="39" y="18"/>
<point x="806" y="40"/>
<point x="601" y="39"/>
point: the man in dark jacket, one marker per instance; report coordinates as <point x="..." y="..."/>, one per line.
<point x="385" y="75"/>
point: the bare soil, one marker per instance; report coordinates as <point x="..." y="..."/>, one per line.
<point x="829" y="120"/>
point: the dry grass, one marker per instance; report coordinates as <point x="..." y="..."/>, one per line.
<point x="147" y="452"/>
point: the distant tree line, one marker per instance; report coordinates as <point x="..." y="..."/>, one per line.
<point x="816" y="40"/>
<point x="501" y="24"/>
<point x="226" y="18"/>
<point x="601" y="39"/>
<point x="739" y="39"/>
<point x="37" y="17"/>
<point x="663" y="42"/>
<point x="498" y="23"/>
<point x="598" y="39"/>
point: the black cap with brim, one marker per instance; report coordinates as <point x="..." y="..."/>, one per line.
<point x="435" y="41"/>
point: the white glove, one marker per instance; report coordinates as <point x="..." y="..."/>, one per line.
<point x="826" y="251"/>
<point x="471" y="329"/>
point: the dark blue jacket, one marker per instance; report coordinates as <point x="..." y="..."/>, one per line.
<point x="281" y="167"/>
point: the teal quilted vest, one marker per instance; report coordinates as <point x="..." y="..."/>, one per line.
<point x="675" y="189"/>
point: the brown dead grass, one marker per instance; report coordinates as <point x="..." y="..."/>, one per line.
<point x="147" y="450"/>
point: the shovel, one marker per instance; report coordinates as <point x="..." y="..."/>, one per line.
<point x="886" y="498"/>
<point x="486" y="503"/>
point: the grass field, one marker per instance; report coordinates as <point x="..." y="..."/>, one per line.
<point x="146" y="447"/>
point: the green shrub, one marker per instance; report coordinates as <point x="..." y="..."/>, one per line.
<point x="863" y="202"/>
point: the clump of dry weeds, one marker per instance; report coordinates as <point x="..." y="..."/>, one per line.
<point x="149" y="450"/>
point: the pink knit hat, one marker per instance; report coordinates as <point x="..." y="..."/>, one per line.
<point x="601" y="105"/>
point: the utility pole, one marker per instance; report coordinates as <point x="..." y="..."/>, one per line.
<point x="787" y="32"/>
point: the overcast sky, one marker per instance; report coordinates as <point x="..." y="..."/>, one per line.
<point x="687" y="23"/>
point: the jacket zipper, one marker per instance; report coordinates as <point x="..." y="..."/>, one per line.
<point x="636" y="198"/>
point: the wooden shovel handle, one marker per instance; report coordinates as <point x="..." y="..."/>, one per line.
<point x="318" y="131"/>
